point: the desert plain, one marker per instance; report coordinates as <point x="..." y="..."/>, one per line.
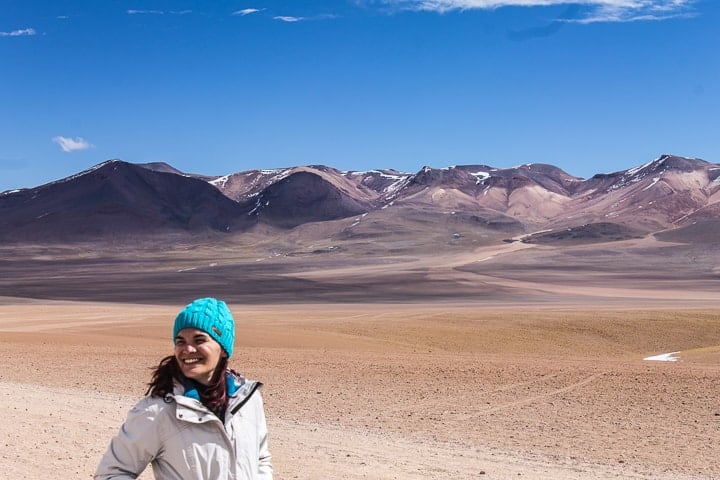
<point x="540" y="375"/>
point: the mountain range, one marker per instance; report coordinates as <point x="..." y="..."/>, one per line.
<point x="671" y="196"/>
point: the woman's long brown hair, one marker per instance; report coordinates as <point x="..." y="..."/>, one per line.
<point x="214" y="396"/>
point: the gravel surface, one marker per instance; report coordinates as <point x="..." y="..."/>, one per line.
<point x="389" y="391"/>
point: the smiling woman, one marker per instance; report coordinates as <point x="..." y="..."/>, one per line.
<point x="197" y="355"/>
<point x="199" y="419"/>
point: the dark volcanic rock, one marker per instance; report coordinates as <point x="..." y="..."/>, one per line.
<point x="590" y="233"/>
<point x="116" y="198"/>
<point x="302" y="197"/>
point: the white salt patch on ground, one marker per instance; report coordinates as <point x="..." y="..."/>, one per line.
<point x="665" y="357"/>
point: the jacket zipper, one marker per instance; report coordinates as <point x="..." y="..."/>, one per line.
<point x="244" y="401"/>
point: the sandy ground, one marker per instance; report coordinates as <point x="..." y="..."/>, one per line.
<point x="389" y="391"/>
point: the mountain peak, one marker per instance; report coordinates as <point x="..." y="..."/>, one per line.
<point x="667" y="162"/>
<point x="116" y="196"/>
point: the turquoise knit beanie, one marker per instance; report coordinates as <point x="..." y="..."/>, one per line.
<point x="213" y="317"/>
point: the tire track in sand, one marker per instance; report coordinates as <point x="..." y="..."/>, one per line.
<point x="551" y="393"/>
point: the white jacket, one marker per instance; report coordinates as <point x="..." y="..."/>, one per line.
<point x="183" y="440"/>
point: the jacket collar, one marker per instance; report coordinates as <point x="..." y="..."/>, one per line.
<point x="231" y="384"/>
<point x="239" y="391"/>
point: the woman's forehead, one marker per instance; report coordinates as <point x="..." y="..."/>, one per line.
<point x="192" y="333"/>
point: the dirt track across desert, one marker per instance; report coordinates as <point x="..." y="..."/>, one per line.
<point x="421" y="391"/>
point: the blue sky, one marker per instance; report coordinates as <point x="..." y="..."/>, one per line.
<point x="222" y="86"/>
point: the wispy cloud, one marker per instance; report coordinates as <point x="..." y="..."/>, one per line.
<point x="283" y="18"/>
<point x="144" y="12"/>
<point x="569" y="15"/>
<point x="157" y="12"/>
<point x="286" y="18"/>
<point x="638" y="11"/>
<point x="25" y="32"/>
<point x="247" y="11"/>
<point x="593" y="10"/>
<point x="72" y="144"/>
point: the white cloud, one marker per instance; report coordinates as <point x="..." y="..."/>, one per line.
<point x="246" y="11"/>
<point x="642" y="10"/>
<point x="144" y="12"/>
<point x="25" y="32"/>
<point x="158" y="12"/>
<point x="72" y="144"/>
<point x="595" y="10"/>
<point x="288" y="19"/>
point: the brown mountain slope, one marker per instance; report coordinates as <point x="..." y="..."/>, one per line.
<point x="303" y="197"/>
<point x="460" y="202"/>
<point x="116" y="198"/>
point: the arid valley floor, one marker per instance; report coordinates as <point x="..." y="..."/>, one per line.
<point x="554" y="386"/>
<point x="359" y="391"/>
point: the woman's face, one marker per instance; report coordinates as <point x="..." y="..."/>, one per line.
<point x="197" y="354"/>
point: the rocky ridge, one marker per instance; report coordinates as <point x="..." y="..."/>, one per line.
<point x="534" y="202"/>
